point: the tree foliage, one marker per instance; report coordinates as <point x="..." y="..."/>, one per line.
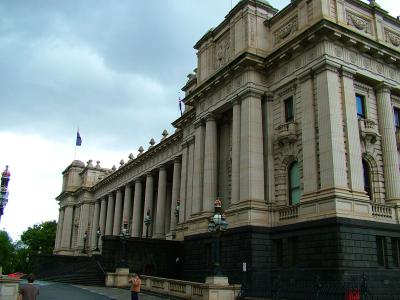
<point x="7" y="252"/>
<point x="40" y="238"/>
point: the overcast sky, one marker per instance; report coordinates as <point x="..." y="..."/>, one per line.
<point x="113" y="68"/>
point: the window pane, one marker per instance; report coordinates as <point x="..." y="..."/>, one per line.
<point x="397" y="117"/>
<point x="360" y="106"/>
<point x="294" y="184"/>
<point x="289" y="109"/>
<point x="367" y="178"/>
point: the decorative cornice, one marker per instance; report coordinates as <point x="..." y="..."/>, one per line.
<point x="305" y="75"/>
<point x="347" y="72"/>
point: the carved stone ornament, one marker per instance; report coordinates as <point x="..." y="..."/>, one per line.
<point x="392" y="38"/>
<point x="223" y="53"/>
<point x="283" y="32"/>
<point x="358" y="22"/>
<point x="286" y="133"/>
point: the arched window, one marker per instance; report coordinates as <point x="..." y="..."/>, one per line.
<point x="367" y="178"/>
<point x="294" y="183"/>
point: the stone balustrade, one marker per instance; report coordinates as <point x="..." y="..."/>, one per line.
<point x="288" y="212"/>
<point x="286" y="133"/>
<point x="382" y="211"/>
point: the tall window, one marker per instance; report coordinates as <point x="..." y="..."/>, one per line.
<point x="360" y="100"/>
<point x="289" y="110"/>
<point x="294" y="183"/>
<point x="396" y="111"/>
<point x="367" y="178"/>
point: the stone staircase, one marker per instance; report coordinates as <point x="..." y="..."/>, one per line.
<point x="70" y="269"/>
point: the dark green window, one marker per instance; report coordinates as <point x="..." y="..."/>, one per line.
<point x="360" y="100"/>
<point x="396" y="251"/>
<point x="294" y="184"/>
<point x="289" y="117"/>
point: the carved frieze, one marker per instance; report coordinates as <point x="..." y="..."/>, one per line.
<point x="358" y="22"/>
<point x="287" y="29"/>
<point x="392" y="38"/>
<point x="223" y="51"/>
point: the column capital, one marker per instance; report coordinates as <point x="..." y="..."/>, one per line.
<point x="305" y="75"/>
<point x="198" y="123"/>
<point x="210" y="117"/>
<point x="236" y="100"/>
<point x="149" y="174"/>
<point x="267" y="97"/>
<point x="178" y="159"/>
<point x="383" y="87"/>
<point x="347" y="72"/>
<point x="162" y="167"/>
<point x="326" y="65"/>
<point x="138" y="180"/>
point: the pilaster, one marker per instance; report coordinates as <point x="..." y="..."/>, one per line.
<point x="235" y="150"/>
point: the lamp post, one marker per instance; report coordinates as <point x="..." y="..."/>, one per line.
<point x="98" y="235"/>
<point x="124" y="236"/>
<point x="217" y="225"/>
<point x="147" y="222"/>
<point x="84" y="242"/>
<point x="5" y="178"/>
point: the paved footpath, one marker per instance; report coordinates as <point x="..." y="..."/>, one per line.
<point x="61" y="291"/>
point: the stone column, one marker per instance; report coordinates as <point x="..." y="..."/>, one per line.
<point x="251" y="148"/>
<point x="161" y="199"/>
<point x="95" y="224"/>
<point x="117" y="213"/>
<point x="176" y="184"/>
<point x="210" y="181"/>
<point x="268" y="145"/>
<point x="182" y="192"/>
<point x="83" y="226"/>
<point x="353" y="145"/>
<point x="59" y="229"/>
<point x="148" y="202"/>
<point x="308" y="134"/>
<point x="331" y="147"/>
<point x="189" y="190"/>
<point x="137" y="210"/>
<point x="110" y="215"/>
<point x="127" y="204"/>
<point x="198" y="168"/>
<point x="235" y="151"/>
<point x="389" y="146"/>
<point x="103" y="217"/>
<point x="67" y="227"/>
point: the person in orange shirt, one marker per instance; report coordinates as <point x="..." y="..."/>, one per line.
<point x="135" y="286"/>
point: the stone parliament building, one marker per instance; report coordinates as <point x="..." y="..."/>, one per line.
<point x="292" y="120"/>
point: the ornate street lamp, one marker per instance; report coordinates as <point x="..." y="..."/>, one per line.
<point x="98" y="235"/>
<point x="147" y="221"/>
<point x="5" y="178"/>
<point x="217" y="225"/>
<point x="85" y="236"/>
<point x="124" y="236"/>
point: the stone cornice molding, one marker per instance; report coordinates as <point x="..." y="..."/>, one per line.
<point x="178" y="159"/>
<point x="251" y="91"/>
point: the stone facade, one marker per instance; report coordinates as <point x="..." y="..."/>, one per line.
<point x="289" y="120"/>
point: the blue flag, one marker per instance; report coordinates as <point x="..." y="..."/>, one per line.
<point x="78" y="139"/>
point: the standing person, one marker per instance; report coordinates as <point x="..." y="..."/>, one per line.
<point x="135" y="286"/>
<point x="28" y="291"/>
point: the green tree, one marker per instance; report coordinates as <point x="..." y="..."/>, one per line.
<point x="7" y="252"/>
<point x="40" y="238"/>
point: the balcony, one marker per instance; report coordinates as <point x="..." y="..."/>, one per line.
<point x="290" y="212"/>
<point x="368" y="130"/>
<point x="286" y="133"/>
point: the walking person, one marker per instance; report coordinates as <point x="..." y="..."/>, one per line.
<point x="28" y="291"/>
<point x="135" y="286"/>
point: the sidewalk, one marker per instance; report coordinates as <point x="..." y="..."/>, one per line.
<point x="118" y="294"/>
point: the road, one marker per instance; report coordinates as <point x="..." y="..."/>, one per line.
<point x="60" y="291"/>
